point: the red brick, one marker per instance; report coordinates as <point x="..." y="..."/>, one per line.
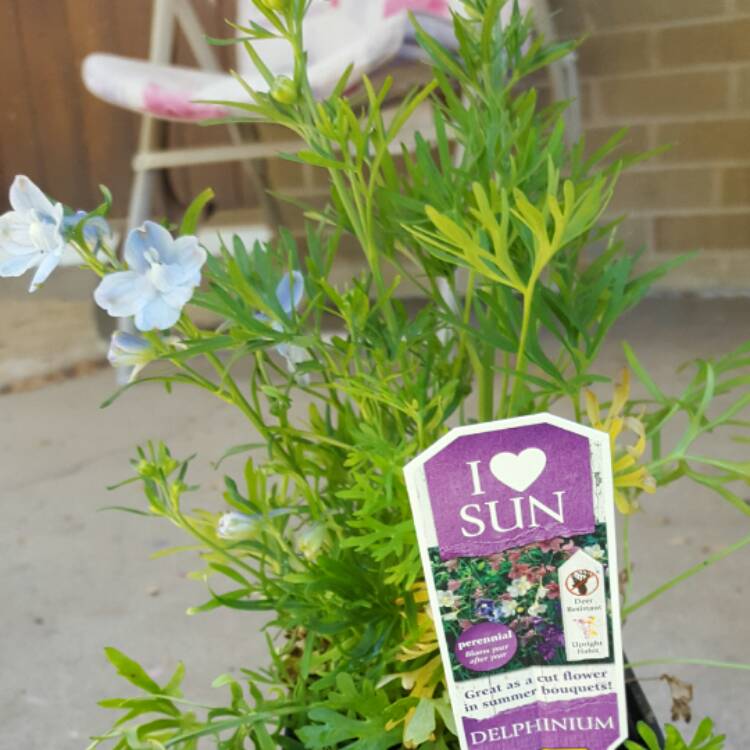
<point x="574" y="16"/>
<point x="723" y="42"/>
<point x="673" y="94"/>
<point x="615" y="53"/>
<point x="735" y="186"/>
<point x="664" y="189"/>
<point x="705" y="141"/>
<point x="702" y="231"/>
<point x="743" y="88"/>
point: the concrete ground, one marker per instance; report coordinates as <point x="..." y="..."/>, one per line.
<point x="74" y="580"/>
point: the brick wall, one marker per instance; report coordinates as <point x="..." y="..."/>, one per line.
<point x="676" y="72"/>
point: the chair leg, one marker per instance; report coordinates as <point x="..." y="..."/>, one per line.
<point x="141" y="197"/>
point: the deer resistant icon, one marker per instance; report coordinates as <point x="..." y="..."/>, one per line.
<point x="582" y="582"/>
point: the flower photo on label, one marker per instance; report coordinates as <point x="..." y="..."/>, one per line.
<point x="518" y="588"/>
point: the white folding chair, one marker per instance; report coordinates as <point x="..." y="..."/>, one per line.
<point x="365" y="33"/>
<point x="159" y="90"/>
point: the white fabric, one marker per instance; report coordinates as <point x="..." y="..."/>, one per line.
<point x="166" y="91"/>
<point x="335" y="37"/>
<point x="337" y="33"/>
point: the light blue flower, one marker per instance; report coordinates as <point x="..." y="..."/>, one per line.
<point x="162" y="278"/>
<point x="31" y="234"/>
<point x="289" y="293"/>
<point x="237" y="527"/>
<point x="96" y="230"/>
<point x="311" y="540"/>
<point x="130" y="350"/>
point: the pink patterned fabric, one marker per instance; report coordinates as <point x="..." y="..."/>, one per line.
<point x="176" y="105"/>
<point x="434" y="7"/>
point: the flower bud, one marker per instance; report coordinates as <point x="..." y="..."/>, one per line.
<point x="311" y="540"/>
<point x="130" y="350"/>
<point x="237" y="527"/>
<point x="95" y="231"/>
<point x="284" y="90"/>
<point x="147" y="469"/>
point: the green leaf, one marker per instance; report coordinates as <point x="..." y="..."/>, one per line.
<point x="131" y="670"/>
<point x="173" y="686"/>
<point x="189" y="223"/>
<point x="264" y="738"/>
<point x="332" y="728"/>
<point x="237" y="450"/>
<point x="421" y="725"/>
<point x="318" y="160"/>
<point x="648" y="735"/>
<point x="643" y="376"/>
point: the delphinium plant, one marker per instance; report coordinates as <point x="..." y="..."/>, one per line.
<point x="493" y="220"/>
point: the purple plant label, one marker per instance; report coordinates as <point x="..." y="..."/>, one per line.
<point x="508" y="487"/>
<point x="486" y="646"/>
<point x="515" y="523"/>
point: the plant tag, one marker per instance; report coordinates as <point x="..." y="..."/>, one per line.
<point x="515" y="523"/>
<point x="584" y="608"/>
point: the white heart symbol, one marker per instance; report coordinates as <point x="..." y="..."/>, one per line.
<point x="520" y="471"/>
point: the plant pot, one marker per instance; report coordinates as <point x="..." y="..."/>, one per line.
<point x="639" y="709"/>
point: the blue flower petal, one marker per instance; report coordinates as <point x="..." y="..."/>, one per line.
<point x="163" y="276"/>
<point x="160" y="240"/>
<point x="136" y="245"/>
<point x="178" y="296"/>
<point x="130" y="342"/>
<point x="17" y="265"/>
<point x="166" y="278"/>
<point x="46" y="267"/>
<point x="187" y="253"/>
<point x="128" y="350"/>
<point x="123" y="293"/>
<point x="95" y="230"/>
<point x="150" y="237"/>
<point x="26" y="196"/>
<point x="290" y="290"/>
<point x="71" y="220"/>
<point x="156" y="315"/>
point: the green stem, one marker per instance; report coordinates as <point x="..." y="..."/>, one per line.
<point x="720" y="555"/>
<point x="626" y="561"/>
<point x="504" y="384"/>
<point x="692" y="662"/>
<point x="487" y="385"/>
<point x="362" y="232"/>
<point x="521" y="354"/>
<point x="229" y="391"/>
<point x="462" y="347"/>
<point x="656" y="445"/>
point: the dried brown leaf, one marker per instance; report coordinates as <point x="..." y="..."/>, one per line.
<point x="682" y="696"/>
